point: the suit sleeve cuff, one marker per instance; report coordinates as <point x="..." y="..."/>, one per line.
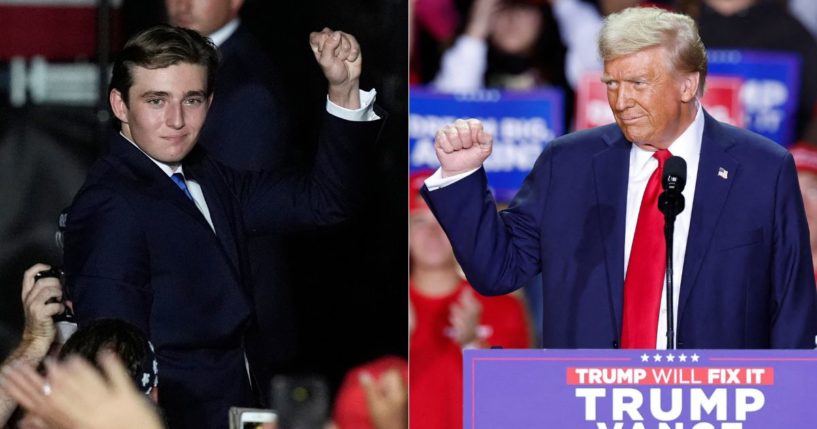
<point x="364" y="114"/>
<point x="437" y="181"/>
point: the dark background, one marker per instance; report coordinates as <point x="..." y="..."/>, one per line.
<point x="349" y="281"/>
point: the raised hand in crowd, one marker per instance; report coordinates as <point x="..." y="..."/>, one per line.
<point x="41" y="300"/>
<point x="75" y="395"/>
<point x="464" y="319"/>
<point x="386" y="399"/>
<point x="481" y="18"/>
<point x="39" y="331"/>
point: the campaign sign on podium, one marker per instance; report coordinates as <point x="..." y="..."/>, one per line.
<point x="640" y="389"/>
<point x="521" y="122"/>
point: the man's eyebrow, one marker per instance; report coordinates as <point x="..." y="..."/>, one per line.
<point x="163" y="94"/>
<point x="149" y="94"/>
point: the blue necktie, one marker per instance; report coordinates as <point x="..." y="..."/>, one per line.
<point x="178" y="179"/>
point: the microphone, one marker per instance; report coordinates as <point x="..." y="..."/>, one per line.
<point x="675" y="174"/>
<point x="671" y="201"/>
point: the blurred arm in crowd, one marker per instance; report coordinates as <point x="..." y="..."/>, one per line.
<point x="39" y="331"/>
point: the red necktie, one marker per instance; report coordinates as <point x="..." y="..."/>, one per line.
<point x="645" y="271"/>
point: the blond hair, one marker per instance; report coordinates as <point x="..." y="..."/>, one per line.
<point x="638" y="28"/>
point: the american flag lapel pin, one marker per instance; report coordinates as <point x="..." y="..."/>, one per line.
<point x="722" y="173"/>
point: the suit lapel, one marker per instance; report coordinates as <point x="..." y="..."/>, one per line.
<point x="711" y="192"/>
<point x="219" y="209"/>
<point x="153" y="179"/>
<point x="611" y="169"/>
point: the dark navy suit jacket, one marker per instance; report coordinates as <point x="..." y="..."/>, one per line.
<point x="747" y="279"/>
<point x="137" y="249"/>
<point x="248" y="124"/>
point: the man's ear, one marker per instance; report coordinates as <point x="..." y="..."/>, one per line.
<point x="118" y="105"/>
<point x="689" y="86"/>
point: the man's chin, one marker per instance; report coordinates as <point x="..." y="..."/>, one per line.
<point x="173" y="159"/>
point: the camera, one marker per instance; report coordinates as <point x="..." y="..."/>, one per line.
<point x="55" y="272"/>
<point x="64" y="321"/>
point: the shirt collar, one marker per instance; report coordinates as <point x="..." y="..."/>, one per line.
<point x="222" y="34"/>
<point x="687" y="145"/>
<point x="166" y="168"/>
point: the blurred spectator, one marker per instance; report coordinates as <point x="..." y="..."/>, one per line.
<point x="760" y="25"/>
<point x="579" y="26"/>
<point x="247" y="123"/>
<point x="39" y="331"/>
<point x="447" y="316"/>
<point x="373" y="396"/>
<point x="126" y="341"/>
<point x="74" y="395"/>
<point x="512" y="44"/>
<point x="805" y="159"/>
<point x="117" y="336"/>
<point x="432" y="25"/>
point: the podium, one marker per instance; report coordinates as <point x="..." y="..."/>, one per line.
<point x="640" y="389"/>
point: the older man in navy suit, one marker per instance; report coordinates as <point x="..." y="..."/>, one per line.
<point x="587" y="217"/>
<point x="157" y="234"/>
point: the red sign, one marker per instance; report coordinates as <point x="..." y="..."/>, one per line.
<point x="55" y="29"/>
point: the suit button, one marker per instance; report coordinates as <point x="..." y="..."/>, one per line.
<point x="615" y="344"/>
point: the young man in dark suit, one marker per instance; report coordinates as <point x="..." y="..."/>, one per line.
<point x="587" y="215"/>
<point x="157" y="234"/>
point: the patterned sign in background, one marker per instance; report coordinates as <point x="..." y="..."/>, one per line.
<point x="520" y="122"/>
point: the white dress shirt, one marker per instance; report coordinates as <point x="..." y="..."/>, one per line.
<point x="222" y="34"/>
<point x="642" y="165"/>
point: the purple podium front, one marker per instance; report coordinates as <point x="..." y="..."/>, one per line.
<point x="640" y="389"/>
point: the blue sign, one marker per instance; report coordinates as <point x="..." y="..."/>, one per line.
<point x="520" y="122"/>
<point x="769" y="95"/>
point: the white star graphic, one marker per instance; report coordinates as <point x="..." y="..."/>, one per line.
<point x="695" y="357"/>
<point x="645" y="358"/>
<point x="145" y="379"/>
<point x="670" y="358"/>
<point x="656" y="357"/>
<point x="682" y="358"/>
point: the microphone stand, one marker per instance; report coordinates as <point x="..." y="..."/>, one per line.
<point x="670" y="202"/>
<point x="669" y="229"/>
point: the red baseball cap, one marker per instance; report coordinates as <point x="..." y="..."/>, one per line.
<point x="416" y="181"/>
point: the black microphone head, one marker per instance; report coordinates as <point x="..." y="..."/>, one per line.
<point x="675" y="174"/>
